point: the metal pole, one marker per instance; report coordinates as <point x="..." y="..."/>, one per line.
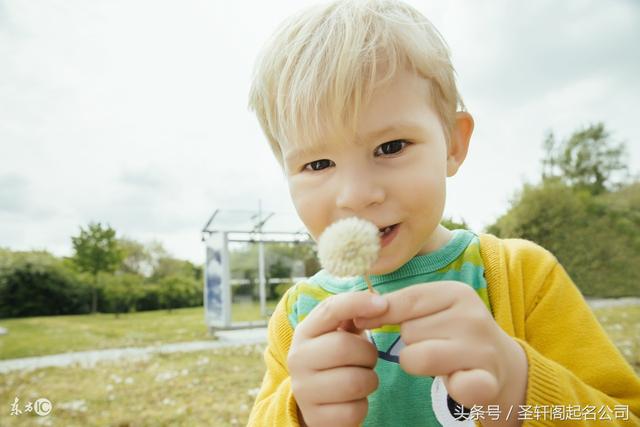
<point x="226" y="283"/>
<point x="261" y="267"/>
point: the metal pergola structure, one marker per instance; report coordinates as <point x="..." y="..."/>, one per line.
<point x="228" y="226"/>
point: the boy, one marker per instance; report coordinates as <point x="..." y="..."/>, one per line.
<point x="359" y="103"/>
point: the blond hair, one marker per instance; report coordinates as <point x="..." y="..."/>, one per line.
<point x="324" y="62"/>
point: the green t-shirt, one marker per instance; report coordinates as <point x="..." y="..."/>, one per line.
<point x="402" y="399"/>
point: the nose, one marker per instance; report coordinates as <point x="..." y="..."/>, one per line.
<point x="358" y="188"/>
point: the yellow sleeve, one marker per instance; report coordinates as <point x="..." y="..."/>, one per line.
<point x="572" y="361"/>
<point x="275" y="404"/>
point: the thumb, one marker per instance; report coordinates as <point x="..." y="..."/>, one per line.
<point x="472" y="387"/>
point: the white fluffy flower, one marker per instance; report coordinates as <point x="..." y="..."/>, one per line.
<point x="349" y="247"/>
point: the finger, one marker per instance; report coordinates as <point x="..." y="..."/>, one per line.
<point x="440" y="325"/>
<point x="335" y="349"/>
<point x="437" y="357"/>
<point x="417" y="301"/>
<point x="473" y="387"/>
<point x="342" y="384"/>
<point x="331" y="312"/>
<point x="348" y="414"/>
<point x="349" y="326"/>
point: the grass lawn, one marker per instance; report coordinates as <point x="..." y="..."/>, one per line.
<point x="623" y="327"/>
<point x="214" y="387"/>
<point x="37" y="336"/>
<point x="207" y="388"/>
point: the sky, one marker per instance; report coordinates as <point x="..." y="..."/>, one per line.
<point x="134" y="113"/>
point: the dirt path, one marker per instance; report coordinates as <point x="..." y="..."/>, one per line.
<point x="612" y="302"/>
<point x="90" y="358"/>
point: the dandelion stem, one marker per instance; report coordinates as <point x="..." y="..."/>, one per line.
<point x="366" y="279"/>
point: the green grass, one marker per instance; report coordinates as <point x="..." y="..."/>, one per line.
<point x="37" y="336"/>
<point x="623" y="327"/>
<point x="214" y="387"/>
<point x="208" y="388"/>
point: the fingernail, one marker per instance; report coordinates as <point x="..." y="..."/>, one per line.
<point x="379" y="301"/>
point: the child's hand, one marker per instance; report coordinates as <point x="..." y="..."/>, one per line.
<point x="449" y="332"/>
<point x="331" y="364"/>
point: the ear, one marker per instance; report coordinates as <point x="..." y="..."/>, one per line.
<point x="459" y="144"/>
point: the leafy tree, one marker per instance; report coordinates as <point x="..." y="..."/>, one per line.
<point x="179" y="291"/>
<point x="168" y="266"/>
<point x="450" y="224"/>
<point x="279" y="259"/>
<point x="149" y="298"/>
<point x="277" y="270"/>
<point x="136" y="258"/>
<point x="122" y="292"/>
<point x="588" y="159"/>
<point x="96" y="250"/>
<point x="595" y="237"/>
<point x="581" y="213"/>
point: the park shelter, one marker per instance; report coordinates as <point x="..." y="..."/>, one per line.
<point x="226" y="227"/>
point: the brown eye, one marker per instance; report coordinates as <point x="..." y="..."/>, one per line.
<point x="391" y="147"/>
<point x="318" y="165"/>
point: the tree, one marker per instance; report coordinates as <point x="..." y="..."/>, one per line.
<point x="179" y="291"/>
<point x="96" y="250"/>
<point x="596" y="238"/>
<point x="122" y="292"/>
<point x="588" y="159"/>
<point x="169" y="266"/>
<point x="450" y="224"/>
<point x="581" y="213"/>
<point x="136" y="258"/>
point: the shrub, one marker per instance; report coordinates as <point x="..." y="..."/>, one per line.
<point x="121" y="292"/>
<point x="31" y="288"/>
<point x="595" y="237"/>
<point x="179" y="291"/>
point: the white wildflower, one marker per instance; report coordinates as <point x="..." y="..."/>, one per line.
<point x="349" y="247"/>
<point x="74" y="405"/>
<point x="166" y="376"/>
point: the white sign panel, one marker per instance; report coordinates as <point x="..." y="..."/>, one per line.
<point x="217" y="293"/>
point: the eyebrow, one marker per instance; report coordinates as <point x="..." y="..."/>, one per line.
<point x="408" y="125"/>
<point x="296" y="153"/>
<point x="400" y="126"/>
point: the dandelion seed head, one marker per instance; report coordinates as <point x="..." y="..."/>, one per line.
<point x="349" y="247"/>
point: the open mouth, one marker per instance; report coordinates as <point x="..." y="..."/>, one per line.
<point x="385" y="231"/>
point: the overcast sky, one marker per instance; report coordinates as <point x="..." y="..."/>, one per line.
<point x="134" y="112"/>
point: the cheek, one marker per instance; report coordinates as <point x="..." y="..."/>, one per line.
<point x="310" y="205"/>
<point x="426" y="194"/>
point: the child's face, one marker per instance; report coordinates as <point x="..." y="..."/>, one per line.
<point x="392" y="177"/>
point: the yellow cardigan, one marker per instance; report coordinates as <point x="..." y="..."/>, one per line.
<point x="571" y="359"/>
